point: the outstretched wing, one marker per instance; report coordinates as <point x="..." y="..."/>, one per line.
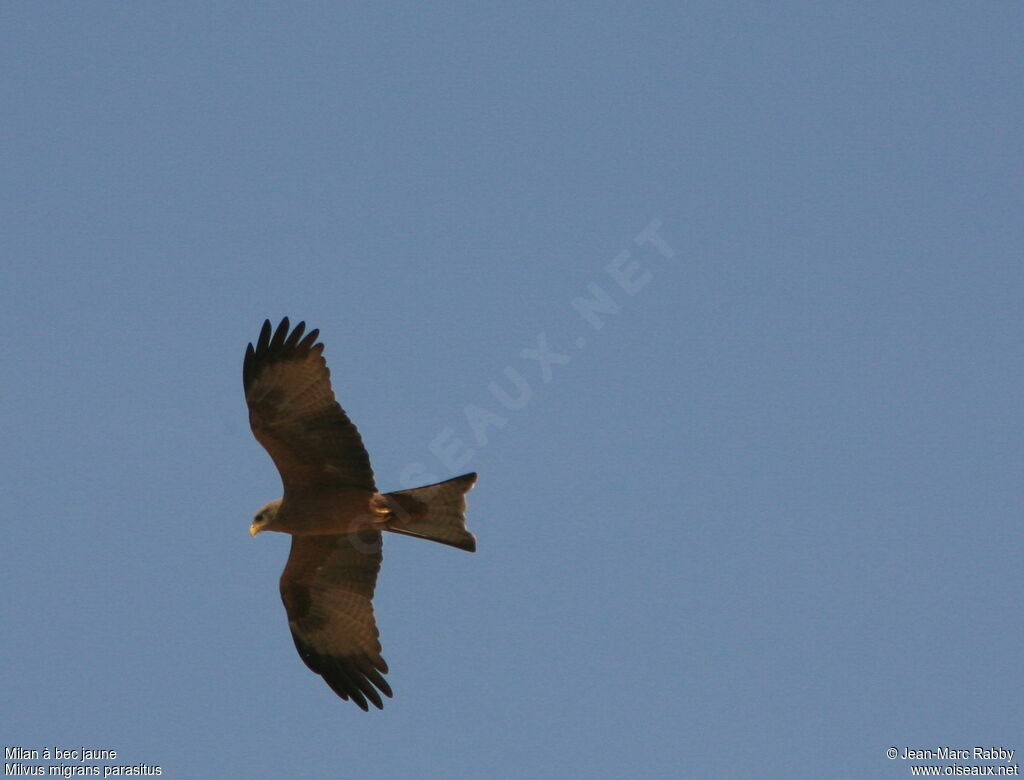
<point x="327" y="588"/>
<point x="294" y="415"/>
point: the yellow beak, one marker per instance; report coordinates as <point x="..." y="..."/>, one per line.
<point x="253" y="530"/>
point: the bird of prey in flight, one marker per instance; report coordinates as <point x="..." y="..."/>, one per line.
<point x="333" y="511"/>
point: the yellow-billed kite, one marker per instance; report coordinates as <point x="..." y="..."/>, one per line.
<point x="333" y="511"/>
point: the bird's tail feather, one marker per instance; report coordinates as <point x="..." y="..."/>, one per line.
<point x="436" y="512"/>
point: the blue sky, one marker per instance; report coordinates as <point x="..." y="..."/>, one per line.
<point x="764" y="521"/>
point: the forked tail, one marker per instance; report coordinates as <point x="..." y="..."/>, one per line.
<point x="435" y="512"/>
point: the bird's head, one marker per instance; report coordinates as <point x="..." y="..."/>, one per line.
<point x="264" y="519"/>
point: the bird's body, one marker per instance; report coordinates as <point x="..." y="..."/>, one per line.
<point x="333" y="511"/>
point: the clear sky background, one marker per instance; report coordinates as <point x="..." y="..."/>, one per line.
<point x="764" y="521"/>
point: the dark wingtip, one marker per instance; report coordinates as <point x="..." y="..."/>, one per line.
<point x="351" y="678"/>
<point x="282" y="330"/>
<point x="294" y="336"/>
<point x="247" y="366"/>
<point x="310" y="340"/>
<point x="264" y="337"/>
<point x="274" y="345"/>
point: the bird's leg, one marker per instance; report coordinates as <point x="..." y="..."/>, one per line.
<point x="380" y="508"/>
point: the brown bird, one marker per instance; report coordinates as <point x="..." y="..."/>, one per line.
<point x="333" y="511"/>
